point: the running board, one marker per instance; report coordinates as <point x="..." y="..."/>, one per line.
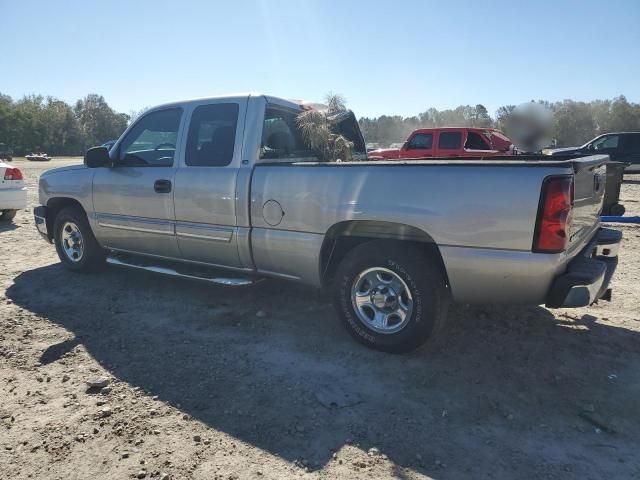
<point x="166" y="270"/>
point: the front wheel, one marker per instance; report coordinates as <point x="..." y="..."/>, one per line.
<point x="77" y="248"/>
<point x="390" y="297"/>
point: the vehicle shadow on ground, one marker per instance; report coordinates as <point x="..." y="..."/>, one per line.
<point x="7" y="226"/>
<point x="292" y="382"/>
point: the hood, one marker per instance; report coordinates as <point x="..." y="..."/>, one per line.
<point x="499" y="141"/>
<point x="561" y="151"/>
<point x="385" y="153"/>
<point x="63" y="169"/>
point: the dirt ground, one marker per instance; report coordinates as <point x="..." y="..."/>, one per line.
<point x="263" y="382"/>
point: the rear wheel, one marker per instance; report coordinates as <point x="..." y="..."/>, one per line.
<point x="77" y="248"/>
<point x="390" y="297"/>
<point x="7" y="215"/>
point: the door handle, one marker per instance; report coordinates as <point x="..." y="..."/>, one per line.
<point x="162" y="186"/>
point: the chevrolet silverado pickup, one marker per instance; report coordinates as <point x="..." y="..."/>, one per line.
<point x="229" y="183"/>
<point x="456" y="142"/>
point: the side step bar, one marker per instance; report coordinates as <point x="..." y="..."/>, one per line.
<point x="139" y="264"/>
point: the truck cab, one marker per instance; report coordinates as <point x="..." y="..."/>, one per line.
<point x="448" y="142"/>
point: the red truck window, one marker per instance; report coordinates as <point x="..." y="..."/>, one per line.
<point x="450" y="140"/>
<point x="476" y="142"/>
<point x="421" y="141"/>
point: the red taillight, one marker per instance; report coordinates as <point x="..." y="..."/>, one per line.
<point x="554" y="216"/>
<point x="13" y="174"/>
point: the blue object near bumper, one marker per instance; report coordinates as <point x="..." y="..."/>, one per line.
<point x="614" y="219"/>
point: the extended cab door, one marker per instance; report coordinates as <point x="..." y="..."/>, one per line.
<point x="419" y="145"/>
<point x="630" y="151"/>
<point x="133" y="200"/>
<point x="205" y="184"/>
<point x="449" y="143"/>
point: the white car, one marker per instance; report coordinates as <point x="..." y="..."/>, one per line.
<point x="13" y="192"/>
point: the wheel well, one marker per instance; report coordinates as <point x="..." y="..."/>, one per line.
<point x="344" y="236"/>
<point x="54" y="205"/>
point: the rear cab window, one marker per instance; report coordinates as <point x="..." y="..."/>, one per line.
<point x="281" y="137"/>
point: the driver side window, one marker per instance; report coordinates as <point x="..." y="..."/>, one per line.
<point x="610" y="141"/>
<point x="152" y="140"/>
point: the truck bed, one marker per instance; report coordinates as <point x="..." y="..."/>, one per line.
<point x="480" y="212"/>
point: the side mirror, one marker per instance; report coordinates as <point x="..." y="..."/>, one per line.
<point x="405" y="146"/>
<point x="97" y="157"/>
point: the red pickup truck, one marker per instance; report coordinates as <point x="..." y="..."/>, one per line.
<point x="448" y="142"/>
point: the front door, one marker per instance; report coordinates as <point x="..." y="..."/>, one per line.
<point x="608" y="145"/>
<point x="205" y="185"/>
<point x="420" y="145"/>
<point x="133" y="200"/>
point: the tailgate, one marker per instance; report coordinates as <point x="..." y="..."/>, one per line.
<point x="589" y="185"/>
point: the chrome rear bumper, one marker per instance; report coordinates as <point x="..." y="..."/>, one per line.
<point x="588" y="275"/>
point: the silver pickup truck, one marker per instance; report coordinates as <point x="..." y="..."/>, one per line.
<point x="229" y="182"/>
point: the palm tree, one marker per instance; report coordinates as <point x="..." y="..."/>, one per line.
<point x="316" y="129"/>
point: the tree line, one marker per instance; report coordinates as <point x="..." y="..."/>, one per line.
<point x="38" y="123"/>
<point x="574" y="123"/>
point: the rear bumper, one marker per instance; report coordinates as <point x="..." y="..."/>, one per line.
<point x="40" y="218"/>
<point x="13" y="198"/>
<point x="587" y="277"/>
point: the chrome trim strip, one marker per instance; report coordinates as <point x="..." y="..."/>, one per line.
<point x="204" y="237"/>
<point x="204" y="232"/>
<point x="135" y="229"/>
<point x="135" y="224"/>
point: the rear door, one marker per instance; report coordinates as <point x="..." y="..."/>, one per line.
<point x="205" y="184"/>
<point x="133" y="200"/>
<point x="419" y="145"/>
<point x="630" y="151"/>
<point x="449" y="143"/>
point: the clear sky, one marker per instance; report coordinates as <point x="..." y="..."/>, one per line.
<point x="385" y="57"/>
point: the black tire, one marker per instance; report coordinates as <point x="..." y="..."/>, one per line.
<point x="420" y="274"/>
<point x="7" y="215"/>
<point x="93" y="255"/>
